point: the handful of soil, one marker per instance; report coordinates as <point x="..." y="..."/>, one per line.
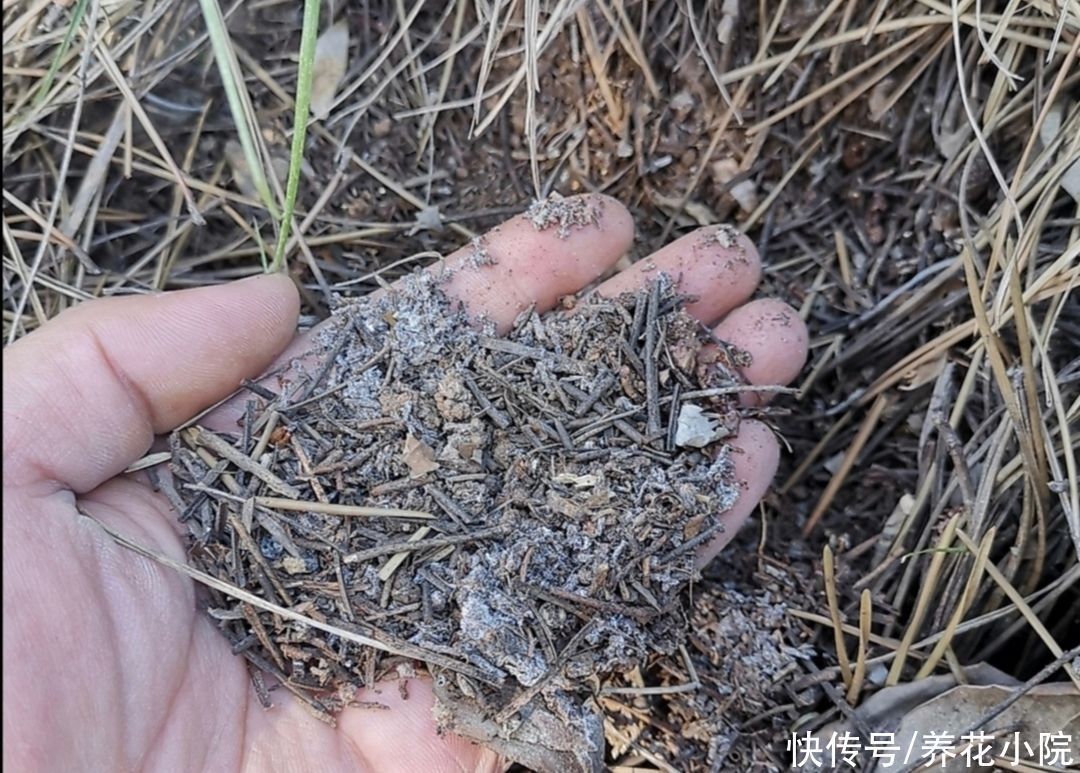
<point x="518" y="514"/>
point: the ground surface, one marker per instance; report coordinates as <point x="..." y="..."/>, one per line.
<point x="871" y="150"/>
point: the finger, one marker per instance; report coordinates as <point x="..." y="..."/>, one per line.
<point x="518" y="264"/>
<point x="774" y="336"/>
<point x="755" y="454"/>
<point x="716" y="265"/>
<point x="85" y="394"/>
<point x="776" y="339"/>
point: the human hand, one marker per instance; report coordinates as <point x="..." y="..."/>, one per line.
<point x="109" y="664"/>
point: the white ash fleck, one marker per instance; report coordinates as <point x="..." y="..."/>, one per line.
<point x="415" y="322"/>
<point x="746" y="633"/>
<point x="361" y="390"/>
<point x="724" y="235"/>
<point x="741" y="652"/>
<point x="480" y="256"/>
<point x="491" y="626"/>
<point x="565" y="214"/>
<point x="717" y="480"/>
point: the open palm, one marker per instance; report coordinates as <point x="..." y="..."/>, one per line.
<point x="108" y="663"/>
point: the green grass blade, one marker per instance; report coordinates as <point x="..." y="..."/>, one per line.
<point x="308" y="36"/>
<point x="236" y="94"/>
<point x="46" y="83"/>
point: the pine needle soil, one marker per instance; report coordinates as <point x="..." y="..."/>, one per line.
<point x="518" y="514"/>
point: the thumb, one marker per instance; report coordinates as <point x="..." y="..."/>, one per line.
<point x="85" y="395"/>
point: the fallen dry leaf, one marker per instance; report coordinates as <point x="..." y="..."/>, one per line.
<point x="1049" y="708"/>
<point x="695" y="428"/>
<point x="879" y="97"/>
<point x="1048" y="132"/>
<point x="331" y="61"/>
<point x="241" y="172"/>
<point x="419" y="457"/>
<point x="912" y="714"/>
<point x="427" y="219"/>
